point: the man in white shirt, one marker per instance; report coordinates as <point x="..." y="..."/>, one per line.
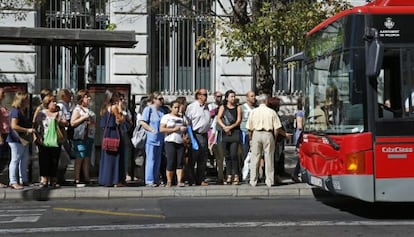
<point x="246" y="108"/>
<point x="199" y="117"/>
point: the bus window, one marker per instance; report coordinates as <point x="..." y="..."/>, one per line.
<point x="395" y="84"/>
<point x="407" y="77"/>
<point x="334" y="105"/>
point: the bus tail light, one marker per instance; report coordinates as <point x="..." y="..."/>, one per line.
<point x="355" y="162"/>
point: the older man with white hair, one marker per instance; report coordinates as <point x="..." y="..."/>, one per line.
<point x="262" y="124"/>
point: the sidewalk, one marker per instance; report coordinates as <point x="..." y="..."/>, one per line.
<point x="133" y="190"/>
<point x="300" y="190"/>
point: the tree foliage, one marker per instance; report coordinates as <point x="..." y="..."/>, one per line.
<point x="276" y="25"/>
<point x="17" y="7"/>
<point x="273" y="25"/>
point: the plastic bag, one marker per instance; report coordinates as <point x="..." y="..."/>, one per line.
<point x="51" y="136"/>
<point x="246" y="166"/>
<point x="194" y="143"/>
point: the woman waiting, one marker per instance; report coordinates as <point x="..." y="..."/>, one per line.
<point x="174" y="127"/>
<point x="150" y="121"/>
<point x="83" y="122"/>
<point x="111" y="166"/>
<point x="21" y="127"/>
<point x="4" y="132"/>
<point x="49" y="153"/>
<point x="228" y="118"/>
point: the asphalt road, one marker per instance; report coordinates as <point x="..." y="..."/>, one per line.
<point x="328" y="216"/>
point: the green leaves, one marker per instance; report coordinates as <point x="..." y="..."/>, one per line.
<point x="276" y="25"/>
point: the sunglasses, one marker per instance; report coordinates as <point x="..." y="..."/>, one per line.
<point x="160" y="98"/>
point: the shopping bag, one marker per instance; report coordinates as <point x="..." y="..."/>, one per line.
<point x="194" y="143"/>
<point x="51" y="136"/>
<point x="246" y="166"/>
<point x="139" y="137"/>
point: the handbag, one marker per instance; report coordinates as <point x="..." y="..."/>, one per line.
<point x="233" y="137"/>
<point x="51" y="136"/>
<point x="110" y="143"/>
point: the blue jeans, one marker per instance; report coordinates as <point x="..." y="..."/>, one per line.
<point x="19" y="160"/>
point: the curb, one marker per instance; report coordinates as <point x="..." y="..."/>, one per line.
<point x="243" y="191"/>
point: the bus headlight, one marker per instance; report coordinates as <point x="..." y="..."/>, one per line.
<point x="355" y="162"/>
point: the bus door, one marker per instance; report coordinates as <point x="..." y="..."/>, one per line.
<point x="394" y="127"/>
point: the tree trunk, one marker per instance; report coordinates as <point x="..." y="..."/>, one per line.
<point x="263" y="75"/>
<point x="262" y="68"/>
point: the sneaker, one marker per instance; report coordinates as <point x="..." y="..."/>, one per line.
<point x="80" y="185"/>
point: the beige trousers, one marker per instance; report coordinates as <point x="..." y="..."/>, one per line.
<point x="263" y="143"/>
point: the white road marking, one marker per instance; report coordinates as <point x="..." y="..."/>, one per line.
<point x="21" y="219"/>
<point x="16" y="215"/>
<point x="19" y="214"/>
<point x="203" y="226"/>
<point x="24" y="210"/>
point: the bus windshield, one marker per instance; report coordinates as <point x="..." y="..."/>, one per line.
<point x="333" y="102"/>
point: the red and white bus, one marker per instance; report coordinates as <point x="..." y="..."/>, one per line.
<point x="358" y="136"/>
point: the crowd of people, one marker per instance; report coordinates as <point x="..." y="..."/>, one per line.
<point x="180" y="139"/>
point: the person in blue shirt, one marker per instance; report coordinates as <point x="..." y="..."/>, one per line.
<point x="21" y="128"/>
<point x="150" y="121"/>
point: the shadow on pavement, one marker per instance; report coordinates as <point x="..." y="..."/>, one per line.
<point x="381" y="210"/>
<point x="36" y="194"/>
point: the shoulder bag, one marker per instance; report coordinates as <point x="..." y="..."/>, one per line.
<point x="110" y="144"/>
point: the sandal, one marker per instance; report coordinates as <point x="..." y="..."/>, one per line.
<point x="236" y="180"/>
<point x="42" y="185"/>
<point x="228" y="180"/>
<point x="180" y="185"/>
<point x="16" y="186"/>
<point x="168" y="185"/>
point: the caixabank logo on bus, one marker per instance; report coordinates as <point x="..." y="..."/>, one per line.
<point x="396" y="149"/>
<point x="396" y="152"/>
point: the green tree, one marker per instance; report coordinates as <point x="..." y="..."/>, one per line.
<point x="272" y="27"/>
<point x="17" y="8"/>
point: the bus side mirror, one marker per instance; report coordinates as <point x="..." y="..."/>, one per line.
<point x="375" y="54"/>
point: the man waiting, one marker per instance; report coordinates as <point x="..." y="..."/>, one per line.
<point x="262" y="125"/>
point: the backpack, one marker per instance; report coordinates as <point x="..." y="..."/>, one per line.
<point x="139" y="136"/>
